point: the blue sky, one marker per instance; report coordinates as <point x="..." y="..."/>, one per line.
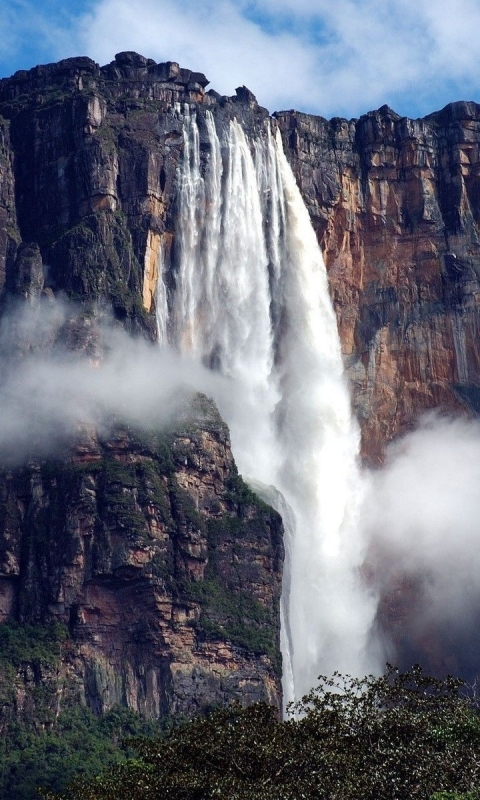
<point x="330" y="57"/>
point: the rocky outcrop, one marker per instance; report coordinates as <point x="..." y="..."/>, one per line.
<point x="162" y="565"/>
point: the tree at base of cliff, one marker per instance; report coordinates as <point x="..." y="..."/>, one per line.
<point x="396" y="737"/>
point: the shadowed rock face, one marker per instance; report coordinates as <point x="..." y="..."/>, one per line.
<point x="163" y="565"/>
<point x="89" y="158"/>
<point x="101" y="541"/>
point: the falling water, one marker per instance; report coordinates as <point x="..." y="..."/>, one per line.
<point x="252" y="302"/>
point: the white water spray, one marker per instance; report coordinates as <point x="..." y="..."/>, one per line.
<point x="252" y="302"/>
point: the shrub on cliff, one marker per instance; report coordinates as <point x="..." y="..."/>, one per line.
<point x="390" y="738"/>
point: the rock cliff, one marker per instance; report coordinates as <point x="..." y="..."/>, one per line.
<point x="158" y="537"/>
<point x="88" y="160"/>
<point x="396" y="206"/>
<point x="162" y="565"/>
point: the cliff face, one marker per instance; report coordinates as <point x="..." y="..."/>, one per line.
<point x="162" y="565"/>
<point x="165" y="569"/>
<point x="90" y="155"/>
<point x="396" y="206"/>
<point x="89" y="158"/>
<point x="139" y="550"/>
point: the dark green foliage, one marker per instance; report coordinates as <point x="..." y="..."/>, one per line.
<point x="242" y="497"/>
<point x="234" y="616"/>
<point x="95" y="259"/>
<point x="41" y="745"/>
<point x="208" y="757"/>
<point x="30" y="643"/>
<point x="474" y="795"/>
<point x="397" y="737"/>
<point x="155" y="444"/>
<point x="230" y="611"/>
<point x="77" y="745"/>
<point x="184" y="507"/>
<point x="117" y="504"/>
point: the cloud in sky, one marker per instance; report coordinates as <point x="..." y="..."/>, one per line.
<point x="331" y="58"/>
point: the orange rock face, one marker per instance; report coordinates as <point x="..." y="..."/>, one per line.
<point x="396" y="204"/>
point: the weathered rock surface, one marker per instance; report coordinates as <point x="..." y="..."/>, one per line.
<point x="396" y="206"/>
<point x="90" y="153"/>
<point x="95" y="154"/>
<point x="163" y="565"/>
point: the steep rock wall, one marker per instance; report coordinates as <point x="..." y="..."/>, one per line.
<point x="95" y="154"/>
<point x="90" y="155"/>
<point x="396" y="206"/>
<point x="163" y="566"/>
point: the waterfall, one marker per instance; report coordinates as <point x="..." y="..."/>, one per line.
<point x="252" y="302"/>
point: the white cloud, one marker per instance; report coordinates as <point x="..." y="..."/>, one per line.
<point x="214" y="38"/>
<point x="332" y="58"/>
<point x="48" y="390"/>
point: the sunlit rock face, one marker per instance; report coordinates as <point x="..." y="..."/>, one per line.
<point x="396" y="205"/>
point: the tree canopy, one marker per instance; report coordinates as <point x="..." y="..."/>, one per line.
<point x="398" y="736"/>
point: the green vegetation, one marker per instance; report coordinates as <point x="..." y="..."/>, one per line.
<point x="43" y="743"/>
<point x="77" y="745"/>
<point x="397" y="737"/>
<point x="121" y="484"/>
<point x="240" y="494"/>
<point x="30" y="643"/>
<point x="234" y="616"/>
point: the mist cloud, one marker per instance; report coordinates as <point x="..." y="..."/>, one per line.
<point x="48" y="390"/>
<point x="422" y="521"/>
<point x="61" y="369"/>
